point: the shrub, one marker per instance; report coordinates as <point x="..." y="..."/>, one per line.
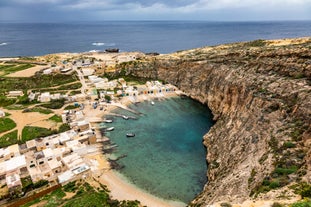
<point x="55" y="104"/>
<point x="63" y="128"/>
<point x="56" y="118"/>
<point x="303" y="189"/>
<point x="285" y="171"/>
<point x="70" y="187"/>
<point x="40" y="183"/>
<point x="306" y="203"/>
<point x="256" y="43"/>
<point x="276" y="204"/>
<point x="225" y="205"/>
<point x="289" y="145"/>
<point x="38" y="109"/>
<point x="69" y="107"/>
<point x="274" y="184"/>
<point x="4" y="101"/>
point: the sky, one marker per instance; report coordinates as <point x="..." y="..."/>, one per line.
<point x="102" y="10"/>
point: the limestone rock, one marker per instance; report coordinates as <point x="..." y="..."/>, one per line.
<point x="260" y="97"/>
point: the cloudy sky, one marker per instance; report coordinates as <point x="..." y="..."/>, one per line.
<point x="99" y="10"/>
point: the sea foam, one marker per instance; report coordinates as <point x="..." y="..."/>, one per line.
<point x="103" y="44"/>
<point x="3" y="43"/>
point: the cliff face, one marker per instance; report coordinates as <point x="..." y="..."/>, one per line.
<point x="259" y="93"/>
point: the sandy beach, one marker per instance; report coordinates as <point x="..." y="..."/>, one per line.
<point x="121" y="189"/>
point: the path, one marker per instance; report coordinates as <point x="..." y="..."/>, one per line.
<point x="28" y="119"/>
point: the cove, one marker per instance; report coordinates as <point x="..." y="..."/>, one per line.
<point x="166" y="157"/>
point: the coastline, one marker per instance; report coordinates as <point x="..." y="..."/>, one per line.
<point x="119" y="186"/>
<point x="122" y="189"/>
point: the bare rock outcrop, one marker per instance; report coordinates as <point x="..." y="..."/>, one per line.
<point x="260" y="96"/>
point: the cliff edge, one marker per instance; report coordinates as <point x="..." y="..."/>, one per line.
<point x="259" y="94"/>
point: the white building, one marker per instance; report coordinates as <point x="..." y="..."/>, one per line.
<point x="44" y="97"/>
<point x="88" y="71"/>
<point x="15" y="93"/>
<point x="2" y="113"/>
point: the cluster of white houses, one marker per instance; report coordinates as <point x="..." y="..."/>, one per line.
<point x="58" y="158"/>
<point x="150" y="88"/>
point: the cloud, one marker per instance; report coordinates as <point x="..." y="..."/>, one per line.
<point x="161" y="9"/>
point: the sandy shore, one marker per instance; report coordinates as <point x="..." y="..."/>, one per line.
<point x="121" y="189"/>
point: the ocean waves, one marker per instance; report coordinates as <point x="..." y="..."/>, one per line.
<point x="103" y="44"/>
<point x="3" y="43"/>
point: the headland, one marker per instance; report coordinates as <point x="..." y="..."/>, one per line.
<point x="259" y="94"/>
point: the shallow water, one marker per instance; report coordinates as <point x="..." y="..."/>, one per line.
<point x="166" y="157"/>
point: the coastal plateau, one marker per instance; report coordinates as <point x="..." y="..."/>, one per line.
<point x="259" y="94"/>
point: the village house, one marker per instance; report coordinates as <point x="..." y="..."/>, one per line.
<point x="87" y="71"/>
<point x="44" y="97"/>
<point x="9" y="152"/>
<point x="14" y="183"/>
<point x="65" y="70"/>
<point x="15" y="93"/>
<point x="13" y="165"/>
<point x="31" y="96"/>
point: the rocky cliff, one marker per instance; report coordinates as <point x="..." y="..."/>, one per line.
<point x="259" y="94"/>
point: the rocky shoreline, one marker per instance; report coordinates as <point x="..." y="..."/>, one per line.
<point x="259" y="94"/>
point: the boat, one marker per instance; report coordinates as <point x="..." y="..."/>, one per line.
<point x="112" y="50"/>
<point x="152" y="103"/>
<point x="130" y="135"/>
<point x="108" y="121"/>
<point x="125" y="117"/>
<point x="110" y="129"/>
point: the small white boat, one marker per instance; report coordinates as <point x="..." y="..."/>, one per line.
<point x="110" y="129"/>
<point x="125" y="117"/>
<point x="130" y="135"/>
<point x="108" y="121"/>
<point x="152" y="103"/>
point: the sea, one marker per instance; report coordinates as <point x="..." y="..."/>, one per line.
<point x="166" y="157"/>
<point x="34" y="39"/>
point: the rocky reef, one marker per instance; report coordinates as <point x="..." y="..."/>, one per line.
<point x="260" y="95"/>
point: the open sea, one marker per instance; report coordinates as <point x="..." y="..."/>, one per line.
<point x="33" y="39"/>
<point x="166" y="157"/>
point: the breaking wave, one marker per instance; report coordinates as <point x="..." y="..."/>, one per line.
<point x="3" y="43"/>
<point x="103" y="44"/>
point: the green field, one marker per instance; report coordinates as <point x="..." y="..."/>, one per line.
<point x="30" y="132"/>
<point x="9" y="139"/>
<point x="6" y="69"/>
<point x="6" y="124"/>
<point x="35" y="82"/>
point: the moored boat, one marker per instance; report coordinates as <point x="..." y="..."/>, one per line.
<point x="110" y="129"/>
<point x="125" y="117"/>
<point x="108" y="121"/>
<point x="130" y="135"/>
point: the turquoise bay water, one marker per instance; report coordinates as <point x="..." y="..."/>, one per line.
<point x="166" y="157"/>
